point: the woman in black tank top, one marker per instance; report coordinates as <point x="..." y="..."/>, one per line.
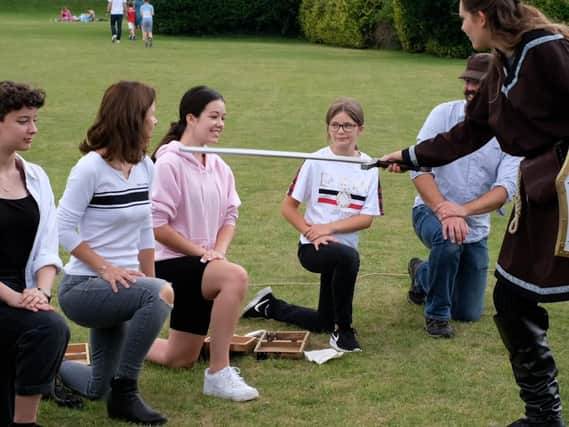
<point x="28" y="264"/>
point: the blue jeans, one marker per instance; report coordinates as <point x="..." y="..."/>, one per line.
<point x="455" y="276"/>
<point x="116" y="25"/>
<point x="123" y="326"/>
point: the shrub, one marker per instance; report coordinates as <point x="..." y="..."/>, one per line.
<point x="409" y="20"/>
<point x="556" y="10"/>
<point x="349" y="23"/>
<point x="432" y="26"/>
<point x="444" y="34"/>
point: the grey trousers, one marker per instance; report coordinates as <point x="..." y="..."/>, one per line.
<point x="122" y="326"/>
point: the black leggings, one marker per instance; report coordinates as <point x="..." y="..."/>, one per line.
<point x="338" y="266"/>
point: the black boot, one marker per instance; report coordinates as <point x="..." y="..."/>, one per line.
<point x="63" y="395"/>
<point x="525" y="337"/>
<point x="124" y="403"/>
<point x="528" y="422"/>
<point x="14" y="424"/>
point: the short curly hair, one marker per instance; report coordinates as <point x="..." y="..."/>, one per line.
<point x="15" y="96"/>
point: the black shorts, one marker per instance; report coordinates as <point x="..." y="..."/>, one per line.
<point x="191" y="312"/>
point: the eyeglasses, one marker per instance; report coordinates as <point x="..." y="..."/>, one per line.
<point x="347" y="127"/>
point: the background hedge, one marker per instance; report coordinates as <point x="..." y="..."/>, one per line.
<point x="279" y="17"/>
<point x="431" y="26"/>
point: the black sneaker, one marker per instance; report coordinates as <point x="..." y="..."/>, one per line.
<point x="415" y="295"/>
<point x="64" y="396"/>
<point x="556" y="421"/>
<point x="344" y="340"/>
<point x="438" y="328"/>
<point x="259" y="305"/>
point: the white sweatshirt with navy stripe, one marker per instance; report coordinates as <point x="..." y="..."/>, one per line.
<point x="108" y="211"/>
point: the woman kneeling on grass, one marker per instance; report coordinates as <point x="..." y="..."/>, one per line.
<point x="195" y="208"/>
<point x="341" y="199"/>
<point x="33" y="337"/>
<point x="105" y="222"/>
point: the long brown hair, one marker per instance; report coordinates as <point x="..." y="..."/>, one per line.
<point x="510" y="19"/>
<point x="119" y="125"/>
<point x="193" y="102"/>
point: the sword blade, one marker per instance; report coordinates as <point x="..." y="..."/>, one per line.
<point x="365" y="164"/>
<point x="274" y="153"/>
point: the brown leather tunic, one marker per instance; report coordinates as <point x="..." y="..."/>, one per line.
<point x="526" y="106"/>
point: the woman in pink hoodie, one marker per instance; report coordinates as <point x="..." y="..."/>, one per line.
<point x="195" y="209"/>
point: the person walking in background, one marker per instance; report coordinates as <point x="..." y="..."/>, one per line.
<point x="452" y="283"/>
<point x="105" y="222"/>
<point x="147" y="14"/>
<point x="33" y="337"/>
<point x="341" y="199"/>
<point x="131" y="19"/>
<point x="138" y="18"/>
<point x="195" y="209"/>
<point x="523" y="102"/>
<point x="117" y="9"/>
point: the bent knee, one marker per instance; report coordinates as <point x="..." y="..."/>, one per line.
<point x="167" y="293"/>
<point x="54" y="328"/>
<point x="181" y="362"/>
<point x="240" y="280"/>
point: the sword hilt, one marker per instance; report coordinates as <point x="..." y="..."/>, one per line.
<point x="386" y="163"/>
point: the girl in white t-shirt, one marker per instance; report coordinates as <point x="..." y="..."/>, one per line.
<point x="341" y="199"/>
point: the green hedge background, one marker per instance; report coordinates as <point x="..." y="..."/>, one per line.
<point x="431" y="26"/>
<point x="278" y="17"/>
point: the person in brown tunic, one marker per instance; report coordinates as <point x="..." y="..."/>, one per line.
<point x="522" y="102"/>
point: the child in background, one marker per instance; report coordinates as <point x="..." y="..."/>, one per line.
<point x="65" y="15"/>
<point x="131" y="18"/>
<point x="147" y="13"/>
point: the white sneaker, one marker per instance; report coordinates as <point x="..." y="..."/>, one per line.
<point x="114" y="38"/>
<point x="228" y="384"/>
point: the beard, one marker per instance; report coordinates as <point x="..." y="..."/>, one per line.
<point x="469" y="94"/>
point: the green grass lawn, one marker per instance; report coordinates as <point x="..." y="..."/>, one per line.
<point x="277" y="92"/>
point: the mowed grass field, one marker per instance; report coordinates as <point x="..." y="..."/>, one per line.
<point x="277" y="93"/>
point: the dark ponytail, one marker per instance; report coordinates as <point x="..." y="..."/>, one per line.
<point x="193" y="102"/>
<point x="174" y="134"/>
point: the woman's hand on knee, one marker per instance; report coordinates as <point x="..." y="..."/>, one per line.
<point x="212" y="255"/>
<point x="116" y="275"/>
<point x="31" y="299"/>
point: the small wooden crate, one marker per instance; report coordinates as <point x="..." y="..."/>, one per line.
<point x="288" y="345"/>
<point x="78" y="353"/>
<point x="239" y="344"/>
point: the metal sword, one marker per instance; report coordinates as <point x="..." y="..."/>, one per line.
<point x="364" y="164"/>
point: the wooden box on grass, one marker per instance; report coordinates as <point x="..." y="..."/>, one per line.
<point x="239" y="344"/>
<point x="289" y="345"/>
<point x="78" y="353"/>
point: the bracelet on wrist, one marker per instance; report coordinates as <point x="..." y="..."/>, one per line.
<point x="46" y="293"/>
<point x="102" y="269"/>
